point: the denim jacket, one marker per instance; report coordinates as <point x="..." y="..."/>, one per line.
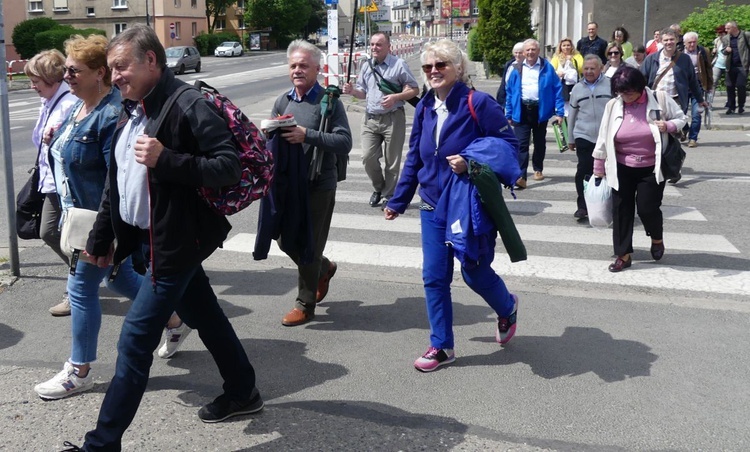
<point x="85" y="153"/>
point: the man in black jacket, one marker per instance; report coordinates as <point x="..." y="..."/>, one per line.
<point x="159" y="200"/>
<point x="592" y="43"/>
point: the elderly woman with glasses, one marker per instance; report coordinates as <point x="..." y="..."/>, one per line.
<point x="80" y="154"/>
<point x="614" y="59"/>
<point x="45" y="71"/>
<point x="632" y="136"/>
<point x="447" y="120"/>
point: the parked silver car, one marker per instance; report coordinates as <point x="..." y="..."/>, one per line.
<point x="182" y="58"/>
<point x="228" y="48"/>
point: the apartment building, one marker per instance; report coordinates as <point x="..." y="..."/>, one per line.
<point x="176" y="22"/>
<point x="433" y="18"/>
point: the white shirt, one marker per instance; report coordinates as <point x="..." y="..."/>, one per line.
<point x="442" y="115"/>
<point x="132" y="177"/>
<point x="530" y="81"/>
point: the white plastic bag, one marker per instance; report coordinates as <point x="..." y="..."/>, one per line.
<point x="598" y="198"/>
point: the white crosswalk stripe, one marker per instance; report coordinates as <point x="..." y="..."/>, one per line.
<point x="543" y="215"/>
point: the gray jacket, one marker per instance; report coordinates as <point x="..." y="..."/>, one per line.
<point x="587" y="108"/>
<point x="743" y="45"/>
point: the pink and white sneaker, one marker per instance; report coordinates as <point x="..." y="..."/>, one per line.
<point x="506" y="326"/>
<point x="434" y="358"/>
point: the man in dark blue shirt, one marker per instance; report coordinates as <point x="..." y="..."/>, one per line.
<point x="592" y="43"/>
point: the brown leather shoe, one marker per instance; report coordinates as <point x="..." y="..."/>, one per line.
<point x="521" y="183"/>
<point x="620" y="265"/>
<point x="538" y="175"/>
<point x="297" y="317"/>
<point x="324" y="281"/>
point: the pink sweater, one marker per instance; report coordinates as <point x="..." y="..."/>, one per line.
<point x="634" y="145"/>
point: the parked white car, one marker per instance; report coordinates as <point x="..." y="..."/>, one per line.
<point x="229" y="48"/>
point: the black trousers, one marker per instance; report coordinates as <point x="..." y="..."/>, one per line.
<point x="736" y="87"/>
<point x="584" y="150"/>
<point x="638" y="188"/>
<point x="530" y="126"/>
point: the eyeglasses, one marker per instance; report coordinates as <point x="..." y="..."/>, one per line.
<point x="613" y="53"/>
<point x="73" y="72"/>
<point x="439" y="65"/>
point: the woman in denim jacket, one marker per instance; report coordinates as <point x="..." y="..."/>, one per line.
<point x="79" y="156"/>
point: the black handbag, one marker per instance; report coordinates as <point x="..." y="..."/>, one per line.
<point x="29" y="203"/>
<point x="672" y="156"/>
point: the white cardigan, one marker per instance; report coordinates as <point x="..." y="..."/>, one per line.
<point x="612" y="119"/>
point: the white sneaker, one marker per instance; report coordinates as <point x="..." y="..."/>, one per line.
<point x="65" y="383"/>
<point x="173" y="338"/>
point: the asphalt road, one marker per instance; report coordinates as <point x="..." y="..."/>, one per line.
<point x="653" y="358"/>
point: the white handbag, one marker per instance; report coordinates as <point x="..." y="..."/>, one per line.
<point x="76" y="225"/>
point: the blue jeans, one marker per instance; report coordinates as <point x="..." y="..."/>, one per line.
<point x="437" y="274"/>
<point x="695" y="123"/>
<point x="191" y="296"/>
<point x="85" y="310"/>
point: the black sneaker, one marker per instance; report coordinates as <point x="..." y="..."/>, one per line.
<point x="70" y="447"/>
<point x="222" y="408"/>
<point x="741" y="111"/>
<point x="375" y="198"/>
<point x="730" y="112"/>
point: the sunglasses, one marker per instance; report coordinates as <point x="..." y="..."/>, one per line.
<point x="613" y="53"/>
<point x="439" y="65"/>
<point x="73" y="72"/>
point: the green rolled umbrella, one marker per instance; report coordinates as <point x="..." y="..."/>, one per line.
<point x="491" y="194"/>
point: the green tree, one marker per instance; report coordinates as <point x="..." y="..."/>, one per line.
<point x="24" y="35"/>
<point x="318" y="17"/>
<point x="502" y="23"/>
<point x="705" y="20"/>
<point x="285" y="18"/>
<point x="214" y="9"/>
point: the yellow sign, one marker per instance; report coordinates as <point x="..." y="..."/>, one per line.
<point x="373" y="8"/>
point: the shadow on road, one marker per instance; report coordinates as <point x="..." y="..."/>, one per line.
<point x="578" y="351"/>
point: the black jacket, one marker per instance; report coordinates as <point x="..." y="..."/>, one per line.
<point x="198" y="151"/>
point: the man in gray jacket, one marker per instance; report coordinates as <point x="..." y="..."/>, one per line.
<point x="737" y="49"/>
<point x="303" y="101"/>
<point x="587" y="101"/>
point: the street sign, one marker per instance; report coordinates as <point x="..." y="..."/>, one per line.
<point x="171" y="26"/>
<point x="373" y="8"/>
<point x="172" y="35"/>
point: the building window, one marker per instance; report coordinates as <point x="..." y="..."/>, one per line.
<point x="177" y="3"/>
<point x="90" y="11"/>
<point x="241" y="23"/>
<point x="194" y="29"/>
<point x="119" y="28"/>
<point x="475" y="12"/>
<point x="177" y="30"/>
<point x="193" y="3"/>
<point x="241" y="4"/>
<point x="221" y="24"/>
<point x="60" y="5"/>
<point x="119" y="4"/>
<point x="36" y="7"/>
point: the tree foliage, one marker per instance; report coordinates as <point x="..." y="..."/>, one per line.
<point x="214" y="9"/>
<point x="285" y="18"/>
<point x="318" y="17"/>
<point x="502" y="23"/>
<point x="705" y="20"/>
<point x="24" y="35"/>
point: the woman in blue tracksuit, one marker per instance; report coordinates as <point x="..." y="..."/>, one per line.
<point x="443" y="128"/>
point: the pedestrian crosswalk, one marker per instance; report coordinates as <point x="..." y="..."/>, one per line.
<point x="559" y="247"/>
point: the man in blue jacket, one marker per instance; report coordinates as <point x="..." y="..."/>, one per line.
<point x="533" y="96"/>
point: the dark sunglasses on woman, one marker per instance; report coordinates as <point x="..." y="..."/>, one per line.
<point x="439" y="65"/>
